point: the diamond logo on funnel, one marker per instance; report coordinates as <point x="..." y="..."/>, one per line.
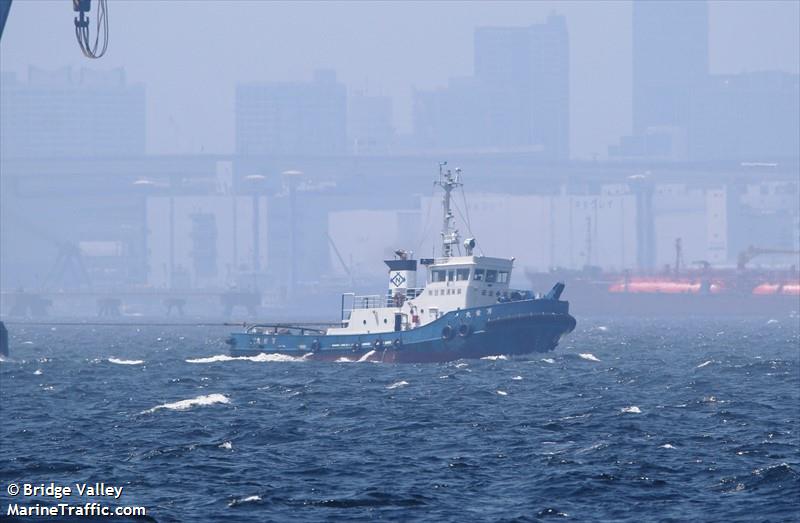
<point x="398" y="279"/>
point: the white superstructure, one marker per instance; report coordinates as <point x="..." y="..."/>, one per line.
<point x="455" y="281"/>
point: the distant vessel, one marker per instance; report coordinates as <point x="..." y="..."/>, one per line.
<point x="679" y="291"/>
<point x="465" y="310"/>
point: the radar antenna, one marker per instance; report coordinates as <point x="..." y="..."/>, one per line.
<point x="448" y="180"/>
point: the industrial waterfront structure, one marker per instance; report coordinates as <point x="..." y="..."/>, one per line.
<point x="275" y="225"/>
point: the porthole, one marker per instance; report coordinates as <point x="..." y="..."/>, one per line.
<point x="385" y="320"/>
<point x="365" y="322"/>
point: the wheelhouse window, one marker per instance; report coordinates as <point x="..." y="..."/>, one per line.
<point x="491" y="276"/>
<point x="462" y="274"/>
<point x="478" y="275"/>
<point x="502" y="277"/>
<point x="438" y="276"/>
<point x="451" y="275"/>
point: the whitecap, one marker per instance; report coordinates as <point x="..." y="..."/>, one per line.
<point x="577" y="416"/>
<point x="262" y="357"/>
<point x="517" y="378"/>
<point x="248" y="499"/>
<point x="344" y="360"/>
<point x="366" y="356"/>
<point x="704" y="364"/>
<point x="588" y="356"/>
<point x="602" y="328"/>
<point x="37" y="372"/>
<point x="666" y="446"/>
<point x="227" y="445"/>
<point x="125" y="362"/>
<point x="633" y="409"/>
<point x="209" y="399"/>
<point x="495" y="358"/>
<point x="548" y="360"/>
<point x="502" y="393"/>
<point x="397" y="384"/>
<point x="212" y="359"/>
<point x="772" y="321"/>
<point x="461" y="365"/>
<point x="27" y="343"/>
<point x="598" y="445"/>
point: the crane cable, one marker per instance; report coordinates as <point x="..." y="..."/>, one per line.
<point x="82" y="28"/>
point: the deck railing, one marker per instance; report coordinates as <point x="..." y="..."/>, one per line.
<point x="375" y="301"/>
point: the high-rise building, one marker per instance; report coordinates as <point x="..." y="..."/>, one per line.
<point x="517" y="99"/>
<point x="751" y="117"/>
<point x="369" y="123"/>
<point x="453" y="117"/>
<point x="527" y="70"/>
<point x="65" y="113"/>
<point x="293" y="118"/>
<point x="670" y="60"/>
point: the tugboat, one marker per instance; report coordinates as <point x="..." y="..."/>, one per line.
<point x="465" y="310"/>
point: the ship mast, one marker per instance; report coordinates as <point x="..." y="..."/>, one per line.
<point x="448" y="181"/>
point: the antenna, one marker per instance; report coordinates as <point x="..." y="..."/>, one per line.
<point x="448" y="181"/>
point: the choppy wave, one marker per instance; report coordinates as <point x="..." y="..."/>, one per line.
<point x="366" y="356"/>
<point x="709" y="440"/>
<point x="209" y="399"/>
<point x="780" y="477"/>
<point x="125" y="362"/>
<point x="495" y="358"/>
<point x="259" y="358"/>
<point x="248" y="499"/>
<point x="588" y="356"/>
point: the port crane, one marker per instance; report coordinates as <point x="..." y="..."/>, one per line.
<point x="89" y="48"/>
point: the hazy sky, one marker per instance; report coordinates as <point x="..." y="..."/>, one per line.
<point x="191" y="54"/>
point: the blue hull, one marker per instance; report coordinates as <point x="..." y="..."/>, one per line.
<point x="511" y="328"/>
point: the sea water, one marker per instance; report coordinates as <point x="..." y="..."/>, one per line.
<point x="628" y="420"/>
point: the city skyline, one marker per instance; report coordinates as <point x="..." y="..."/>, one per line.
<point x="742" y="37"/>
